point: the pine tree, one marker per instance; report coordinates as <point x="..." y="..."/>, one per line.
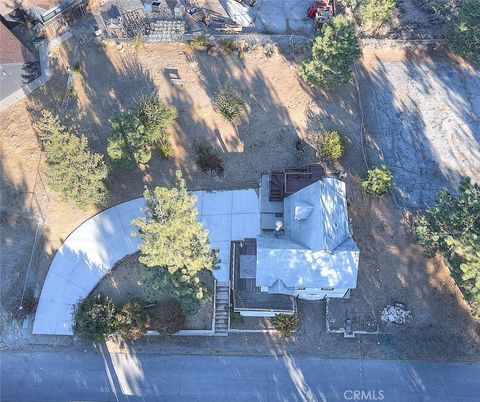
<point x="463" y="32"/>
<point x="333" y="54"/>
<point x="174" y="242"/>
<point x="452" y="226"/>
<point x="78" y="174"/>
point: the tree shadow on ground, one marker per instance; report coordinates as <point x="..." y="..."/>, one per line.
<point x="22" y="207"/>
<point x="421" y="117"/>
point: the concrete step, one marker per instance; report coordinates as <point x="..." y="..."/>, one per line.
<point x="221" y="313"/>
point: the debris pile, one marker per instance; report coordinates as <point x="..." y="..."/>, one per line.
<point x="396" y="313"/>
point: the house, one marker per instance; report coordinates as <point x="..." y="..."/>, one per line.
<point x="305" y="249"/>
<point x="18" y="65"/>
<point x="53" y="16"/>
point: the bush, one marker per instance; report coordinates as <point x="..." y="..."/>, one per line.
<point x="374" y="13"/>
<point x="167" y="316"/>
<point x="132" y="320"/>
<point x="157" y="117"/>
<point x="207" y="160"/>
<point x="95" y="318"/>
<point x="77" y="69"/>
<point x="329" y="145"/>
<point x="228" y="105"/>
<point x="134" y="134"/>
<point x="333" y="54"/>
<point x="71" y="91"/>
<point x="128" y="143"/>
<point x="78" y="174"/>
<point x="285" y="323"/>
<point x="199" y="42"/>
<point x="378" y="180"/>
<point x="463" y="32"/>
<point x="227" y="46"/>
<point x="452" y="227"/>
<point x="190" y="292"/>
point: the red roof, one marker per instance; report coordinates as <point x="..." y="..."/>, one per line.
<point x="11" y="49"/>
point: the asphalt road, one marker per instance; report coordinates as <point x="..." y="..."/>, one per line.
<point x="105" y="376"/>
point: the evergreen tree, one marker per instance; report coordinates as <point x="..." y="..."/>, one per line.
<point x="78" y="174"/>
<point x="463" y="33"/>
<point x="374" y="13"/>
<point x="452" y="226"/>
<point x="174" y="244"/>
<point x="333" y="54"/>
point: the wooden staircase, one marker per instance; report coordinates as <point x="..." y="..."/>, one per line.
<point x="222" y="308"/>
<point x="276" y="190"/>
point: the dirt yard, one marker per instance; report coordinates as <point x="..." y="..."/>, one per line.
<point x="125" y="281"/>
<point x="280" y="111"/>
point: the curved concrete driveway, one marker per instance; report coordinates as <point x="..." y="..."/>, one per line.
<point x="96" y="245"/>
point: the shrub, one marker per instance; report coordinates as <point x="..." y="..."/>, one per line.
<point x="207" y="160"/>
<point x="78" y="174"/>
<point x="199" y="42"/>
<point x="71" y="91"/>
<point x="378" y="180"/>
<point x="228" y="105"/>
<point x="285" y="323"/>
<point x="95" y="318"/>
<point x="190" y="292"/>
<point x="374" y="13"/>
<point x="333" y="54"/>
<point x="132" y="320"/>
<point x="227" y="46"/>
<point x="452" y="227"/>
<point x="77" y="69"/>
<point x="167" y="316"/>
<point x="128" y="143"/>
<point x="157" y="117"/>
<point x="329" y="145"/>
<point x="463" y="32"/>
<point x="134" y="134"/>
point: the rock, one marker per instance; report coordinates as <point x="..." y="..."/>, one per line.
<point x="397" y="314"/>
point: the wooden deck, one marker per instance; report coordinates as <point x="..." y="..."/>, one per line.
<point x="282" y="184"/>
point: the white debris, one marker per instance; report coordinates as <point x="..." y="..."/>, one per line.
<point x="396" y="313"/>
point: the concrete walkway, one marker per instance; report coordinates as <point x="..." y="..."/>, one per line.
<point x="108" y="376"/>
<point x="93" y="249"/>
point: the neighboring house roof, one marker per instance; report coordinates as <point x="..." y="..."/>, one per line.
<point x="7" y="6"/>
<point x="317" y="250"/>
<point x="12" y="51"/>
